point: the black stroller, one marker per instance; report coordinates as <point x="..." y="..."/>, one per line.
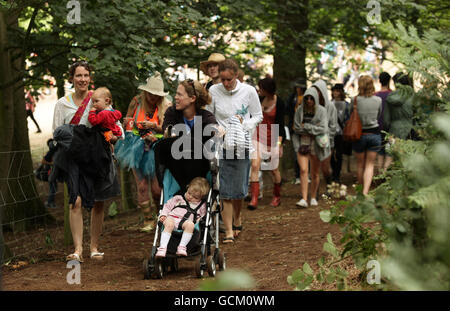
<point x="174" y="176"/>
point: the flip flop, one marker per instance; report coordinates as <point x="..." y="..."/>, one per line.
<point x="97" y="255"/>
<point x="229" y="240"/>
<point x="74" y="256"/>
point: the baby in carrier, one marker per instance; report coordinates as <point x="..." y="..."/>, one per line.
<point x="183" y="212"/>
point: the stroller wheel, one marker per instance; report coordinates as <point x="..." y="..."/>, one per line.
<point x="174" y="265"/>
<point x="198" y="269"/>
<point x="221" y="260"/>
<point x="146" y="269"/>
<point x="165" y="265"/>
<point x="159" y="269"/>
<point x="211" y="265"/>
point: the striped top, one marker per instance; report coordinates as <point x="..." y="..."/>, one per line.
<point x="236" y="136"/>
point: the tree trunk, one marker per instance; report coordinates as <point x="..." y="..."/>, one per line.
<point x="61" y="91"/>
<point x="4" y="60"/>
<point x="290" y="54"/>
<point x="289" y="59"/>
<point x="6" y="113"/>
<point x="22" y="207"/>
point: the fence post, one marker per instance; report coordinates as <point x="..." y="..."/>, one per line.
<point x="67" y="233"/>
<point x="125" y="185"/>
<point x="2" y="243"/>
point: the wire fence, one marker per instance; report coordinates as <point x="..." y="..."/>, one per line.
<point x="31" y="228"/>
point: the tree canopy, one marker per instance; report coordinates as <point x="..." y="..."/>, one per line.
<point x="126" y="41"/>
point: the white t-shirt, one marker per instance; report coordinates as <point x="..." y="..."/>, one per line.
<point x="243" y="100"/>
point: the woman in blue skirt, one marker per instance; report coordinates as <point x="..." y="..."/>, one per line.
<point x="237" y="109"/>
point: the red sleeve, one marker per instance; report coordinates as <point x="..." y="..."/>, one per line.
<point x="117" y="115"/>
<point x="116" y="130"/>
<point x="95" y="118"/>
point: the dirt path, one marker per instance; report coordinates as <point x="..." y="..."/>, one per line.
<point x="274" y="243"/>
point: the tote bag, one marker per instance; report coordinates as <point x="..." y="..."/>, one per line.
<point x="353" y="127"/>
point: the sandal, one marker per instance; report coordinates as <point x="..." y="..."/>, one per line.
<point x="229" y="240"/>
<point x="97" y="255"/>
<point x="74" y="256"/>
<point x="237" y="230"/>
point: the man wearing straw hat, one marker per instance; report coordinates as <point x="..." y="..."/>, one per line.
<point x="211" y="68"/>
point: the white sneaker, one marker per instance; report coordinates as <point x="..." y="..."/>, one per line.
<point x="297" y="181"/>
<point x="302" y="203"/>
<point x="313" y="202"/>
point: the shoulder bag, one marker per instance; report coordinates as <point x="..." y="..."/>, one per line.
<point x="353" y="128"/>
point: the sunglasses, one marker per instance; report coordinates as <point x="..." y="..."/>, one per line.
<point x="80" y="63"/>
<point x="309" y="98"/>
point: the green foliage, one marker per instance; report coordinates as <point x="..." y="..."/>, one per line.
<point x="426" y="57"/>
<point x="328" y="271"/>
<point x="403" y="223"/>
<point x="48" y="240"/>
<point x="228" y="280"/>
<point x="112" y="210"/>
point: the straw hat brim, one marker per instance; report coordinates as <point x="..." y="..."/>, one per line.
<point x="144" y="87"/>
<point x="204" y="64"/>
<point x="214" y="58"/>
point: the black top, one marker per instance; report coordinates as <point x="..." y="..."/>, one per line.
<point x="173" y="117"/>
<point x="208" y="85"/>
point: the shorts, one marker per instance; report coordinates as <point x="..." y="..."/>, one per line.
<point x="307" y="145"/>
<point x="367" y="142"/>
<point x="382" y="150"/>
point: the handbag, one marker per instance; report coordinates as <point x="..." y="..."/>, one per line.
<point x="323" y="140"/>
<point x="353" y="128"/>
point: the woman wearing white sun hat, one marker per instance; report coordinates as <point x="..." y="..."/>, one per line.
<point x="143" y="121"/>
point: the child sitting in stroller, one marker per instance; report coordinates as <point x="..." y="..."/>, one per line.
<point x="182" y="212"/>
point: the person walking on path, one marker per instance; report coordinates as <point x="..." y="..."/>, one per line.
<point x="385" y="79"/>
<point x="237" y="109"/>
<point x="398" y="113"/>
<point x="74" y="109"/>
<point x="30" y="105"/>
<point x="341" y="147"/>
<point x="210" y="68"/>
<point x="322" y="90"/>
<point x="266" y="144"/>
<point x="367" y="147"/>
<point x="144" y="120"/>
<point x="294" y="101"/>
<point x="311" y="123"/>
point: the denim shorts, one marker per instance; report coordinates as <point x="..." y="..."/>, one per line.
<point x="367" y="142"/>
<point x="233" y="178"/>
<point x="382" y="150"/>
